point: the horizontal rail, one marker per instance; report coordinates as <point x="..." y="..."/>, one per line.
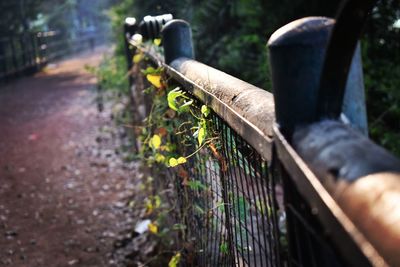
<point x="337" y="224"/>
<point x="249" y="110"/>
<point x="362" y="177"/>
<point x="350" y="184"/>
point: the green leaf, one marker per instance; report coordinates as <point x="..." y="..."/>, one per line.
<point x="177" y="104"/>
<point x="172" y="95"/>
<point x="175" y="260"/>
<point x="241" y="207"/>
<point x="201" y="136"/>
<point x="194" y="185"/>
<point x="223" y="248"/>
<point x="185" y="106"/>
<point x="155" y="141"/>
<point x="150" y="70"/>
<point x="205" y="110"/>
<point x="178" y="226"/>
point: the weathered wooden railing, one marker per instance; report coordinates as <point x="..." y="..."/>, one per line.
<point x="29" y="52"/>
<point x="298" y="181"/>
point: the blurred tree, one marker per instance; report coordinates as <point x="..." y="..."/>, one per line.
<point x="16" y="15"/>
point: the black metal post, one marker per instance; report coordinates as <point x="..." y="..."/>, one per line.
<point x="130" y="28"/>
<point x="36" y="51"/>
<point x="296" y="53"/>
<point x="342" y="44"/>
<point x="14" y="57"/>
<point x="177" y="40"/>
<point x="151" y="26"/>
<point x="3" y="61"/>
<point x="23" y="50"/>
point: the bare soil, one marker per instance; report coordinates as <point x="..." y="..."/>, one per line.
<point x="62" y="181"/>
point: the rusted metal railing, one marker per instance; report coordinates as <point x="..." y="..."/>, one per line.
<point x="298" y="180"/>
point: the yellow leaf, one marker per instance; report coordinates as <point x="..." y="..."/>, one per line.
<point x="153" y="228"/>
<point x="181" y="160"/>
<point x="157" y="202"/>
<point x="155" y="141"/>
<point x="173" y="162"/>
<point x="155" y="80"/>
<point x="137" y="58"/>
<point x="175" y="260"/>
<point x="157" y="41"/>
<point x="159" y="158"/>
<point x="149" y="207"/>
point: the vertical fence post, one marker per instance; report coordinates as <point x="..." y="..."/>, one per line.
<point x="177" y="40"/>
<point x="14" y="57"/>
<point x="296" y="53"/>
<point x="3" y="62"/>
<point x="130" y="28"/>
<point x="354" y="96"/>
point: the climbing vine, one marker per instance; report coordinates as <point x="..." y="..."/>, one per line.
<point x="175" y="120"/>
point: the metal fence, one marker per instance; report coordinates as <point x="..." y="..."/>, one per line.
<point x="29" y="52"/>
<point x="288" y="183"/>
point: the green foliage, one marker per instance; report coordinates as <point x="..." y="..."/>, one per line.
<point x="231" y="36"/>
<point x="111" y="73"/>
<point x="178" y="101"/>
<point x="223" y="248"/>
<point x="197" y="185"/>
<point x="381" y="60"/>
<point x="173" y="117"/>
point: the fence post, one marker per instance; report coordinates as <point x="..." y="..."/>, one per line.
<point x="3" y="61"/>
<point x="130" y="28"/>
<point x="177" y="40"/>
<point x="354" y="96"/>
<point x="151" y="26"/>
<point x="297" y="54"/>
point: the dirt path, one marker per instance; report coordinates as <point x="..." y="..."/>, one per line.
<point x="61" y="182"/>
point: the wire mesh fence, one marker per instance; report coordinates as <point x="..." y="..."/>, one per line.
<point x="237" y="208"/>
<point x="307" y="241"/>
<point x="229" y="200"/>
<point x="247" y="199"/>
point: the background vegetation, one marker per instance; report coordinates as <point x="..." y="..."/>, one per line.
<point x="68" y="17"/>
<point x="231" y="36"/>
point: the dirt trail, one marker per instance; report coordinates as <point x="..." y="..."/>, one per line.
<point x="61" y="182"/>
